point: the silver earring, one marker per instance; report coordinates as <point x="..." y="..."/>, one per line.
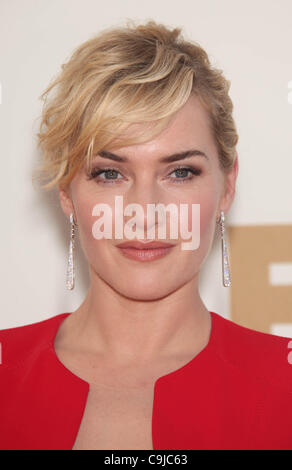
<point x="70" y="275"/>
<point x="225" y="260"/>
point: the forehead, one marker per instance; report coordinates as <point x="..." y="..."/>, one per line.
<point x="188" y="128"/>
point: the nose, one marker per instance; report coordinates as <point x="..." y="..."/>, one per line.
<point x="140" y="202"/>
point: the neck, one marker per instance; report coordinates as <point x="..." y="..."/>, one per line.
<point x="126" y="330"/>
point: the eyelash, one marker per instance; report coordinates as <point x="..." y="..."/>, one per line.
<point x="98" y="171"/>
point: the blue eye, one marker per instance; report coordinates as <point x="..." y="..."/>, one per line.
<point x="181" y="174"/>
<point x="112" y="175"/>
<point x="108" y="173"/>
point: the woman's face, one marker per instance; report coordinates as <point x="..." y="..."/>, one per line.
<point x="143" y="179"/>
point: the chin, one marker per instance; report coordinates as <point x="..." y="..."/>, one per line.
<point x="145" y="294"/>
<point x="146" y="287"/>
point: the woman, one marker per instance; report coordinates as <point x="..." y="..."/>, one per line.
<point x="140" y="114"/>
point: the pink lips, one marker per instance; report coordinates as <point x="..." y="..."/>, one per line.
<point x="145" y="251"/>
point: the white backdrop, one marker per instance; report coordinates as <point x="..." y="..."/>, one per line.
<point x="251" y="41"/>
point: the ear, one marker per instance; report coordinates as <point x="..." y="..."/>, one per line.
<point x="229" y="187"/>
<point x="66" y="200"/>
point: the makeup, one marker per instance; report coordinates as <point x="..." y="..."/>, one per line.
<point x="145" y="251"/>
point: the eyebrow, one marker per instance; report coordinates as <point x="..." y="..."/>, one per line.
<point x="168" y="159"/>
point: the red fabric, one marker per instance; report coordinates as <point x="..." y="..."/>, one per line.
<point x="235" y="394"/>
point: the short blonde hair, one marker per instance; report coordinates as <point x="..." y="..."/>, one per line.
<point x="124" y="75"/>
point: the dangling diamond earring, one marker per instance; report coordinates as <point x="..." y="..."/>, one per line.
<point x="70" y="276"/>
<point x="225" y="260"/>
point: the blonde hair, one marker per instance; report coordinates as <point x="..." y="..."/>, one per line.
<point x="125" y="75"/>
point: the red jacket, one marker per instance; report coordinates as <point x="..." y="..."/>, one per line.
<point x="235" y="394"/>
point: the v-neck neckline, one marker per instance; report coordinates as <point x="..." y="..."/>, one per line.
<point x="170" y="375"/>
<point x="166" y="379"/>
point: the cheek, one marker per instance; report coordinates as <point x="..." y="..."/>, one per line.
<point x="84" y="203"/>
<point x="85" y="219"/>
<point x="208" y="205"/>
